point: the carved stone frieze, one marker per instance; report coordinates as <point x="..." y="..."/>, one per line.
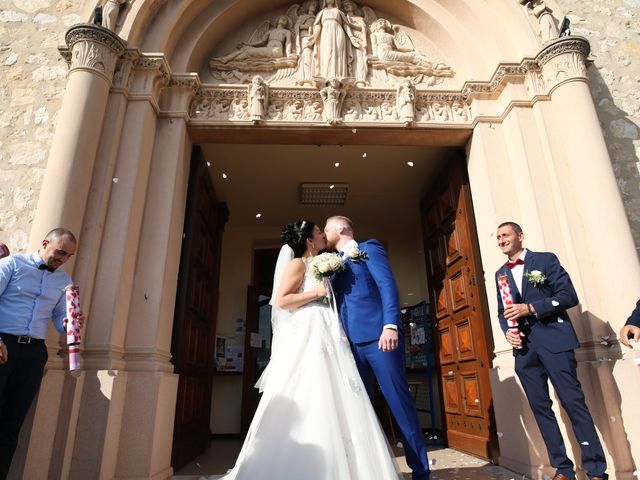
<point x="564" y="59"/>
<point x="313" y="106"/>
<point x="93" y="48"/>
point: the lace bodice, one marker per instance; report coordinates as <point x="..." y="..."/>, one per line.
<point x="309" y="282"/>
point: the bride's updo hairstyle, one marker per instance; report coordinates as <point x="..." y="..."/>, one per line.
<point x="295" y="235"/>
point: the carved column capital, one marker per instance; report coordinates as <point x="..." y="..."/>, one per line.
<point x="563" y="60"/>
<point x="94" y="49"/>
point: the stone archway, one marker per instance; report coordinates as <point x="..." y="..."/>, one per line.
<point x="120" y="158"/>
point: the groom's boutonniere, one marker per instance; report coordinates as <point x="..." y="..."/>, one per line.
<point x="356" y="255"/>
<point x="535" y="277"/>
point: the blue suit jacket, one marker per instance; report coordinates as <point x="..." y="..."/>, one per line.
<point x="367" y="295"/>
<point x="634" y="319"/>
<point x="550" y="328"/>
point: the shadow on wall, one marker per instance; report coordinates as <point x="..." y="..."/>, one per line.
<point x="596" y="376"/>
<point x="619" y="134"/>
<point x="521" y="444"/>
<point x="82" y="400"/>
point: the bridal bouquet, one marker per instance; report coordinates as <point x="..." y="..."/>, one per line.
<point x="326" y="264"/>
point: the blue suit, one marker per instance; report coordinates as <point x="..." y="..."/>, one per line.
<point x="548" y="354"/>
<point x="634" y="318"/>
<point x="367" y="299"/>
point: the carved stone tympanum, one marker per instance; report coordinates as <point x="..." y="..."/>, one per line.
<point x="327" y="39"/>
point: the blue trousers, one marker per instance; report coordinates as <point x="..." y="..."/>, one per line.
<point x="534" y="366"/>
<point x="389" y="370"/>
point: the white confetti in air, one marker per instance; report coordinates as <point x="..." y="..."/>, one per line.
<point x="364" y="155"/>
<point x="555" y="303"/>
<point x="477" y="400"/>
<point x="560" y="320"/>
<point x="500" y="434"/>
<point x="606" y="337"/>
<point x="332" y="187"/>
<point x="258" y="215"/>
<point x="435" y="437"/>
<point x="613" y="419"/>
<point x="115" y="179"/>
<point x="584" y="443"/>
<point x="224" y="175"/>
<point x="355" y="130"/>
<point x="636" y="473"/>
<point x="410" y="164"/>
<point x="605" y="343"/>
<point x="197" y="464"/>
<point x="399" y="445"/>
<point x="337" y="164"/>
<point x="450" y="372"/>
<point x="208" y="164"/>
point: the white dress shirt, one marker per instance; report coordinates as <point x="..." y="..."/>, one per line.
<point x="518" y="271"/>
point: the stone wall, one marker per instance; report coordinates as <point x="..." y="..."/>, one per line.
<point x="32" y="80"/>
<point x="33" y="76"/>
<point x="613" y="29"/>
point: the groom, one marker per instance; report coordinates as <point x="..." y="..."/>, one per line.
<point x="369" y="307"/>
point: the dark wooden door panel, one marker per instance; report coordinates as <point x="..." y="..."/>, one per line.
<point x="193" y="341"/>
<point x="460" y="314"/>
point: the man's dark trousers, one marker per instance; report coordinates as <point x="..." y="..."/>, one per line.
<point x="20" y="379"/>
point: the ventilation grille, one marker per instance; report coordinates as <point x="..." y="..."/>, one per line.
<point x="321" y="194"/>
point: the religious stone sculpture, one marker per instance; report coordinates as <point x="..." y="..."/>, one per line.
<point x="547" y="27"/>
<point x="318" y="40"/>
<point x="359" y="28"/>
<point x="405" y="101"/>
<point x="257" y="99"/>
<point x="333" y="95"/>
<point x="333" y="42"/>
<point x="269" y="49"/>
<point x="110" y="11"/>
<point x="393" y="52"/>
<point x="303" y="30"/>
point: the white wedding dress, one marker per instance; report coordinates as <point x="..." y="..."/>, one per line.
<point x="314" y="420"/>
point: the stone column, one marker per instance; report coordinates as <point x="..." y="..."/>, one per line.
<point x="595" y="211"/>
<point x="605" y="259"/>
<point x="92" y="52"/>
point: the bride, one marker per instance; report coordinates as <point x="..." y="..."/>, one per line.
<point x="314" y="420"/>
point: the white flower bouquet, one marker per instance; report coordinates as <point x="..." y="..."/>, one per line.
<point x="326" y="264"/>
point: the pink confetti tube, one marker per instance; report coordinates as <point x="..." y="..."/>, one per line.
<point x="73" y="327"/>
<point x="507" y="299"/>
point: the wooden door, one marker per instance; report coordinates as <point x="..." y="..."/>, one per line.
<point x="459" y="313"/>
<point x="193" y="341"/>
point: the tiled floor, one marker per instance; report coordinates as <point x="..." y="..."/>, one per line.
<point x="446" y="464"/>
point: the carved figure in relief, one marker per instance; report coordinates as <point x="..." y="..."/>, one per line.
<point x="440" y="112"/>
<point x="405" y="101"/>
<point x="458" y="111"/>
<point x="333" y="95"/>
<point x="110" y="11"/>
<point x="257" y="99"/>
<point x="424" y="113"/>
<point x="240" y="110"/>
<point x="370" y="111"/>
<point x="388" y="111"/>
<point x="275" y="110"/>
<point x="352" y="110"/>
<point x="393" y="52"/>
<point x="220" y="110"/>
<point x="313" y="111"/>
<point x="547" y="27"/>
<point x="295" y="110"/>
<point x="333" y="42"/>
<point x="359" y="28"/>
<point x="265" y="43"/>
<point x="303" y="30"/>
